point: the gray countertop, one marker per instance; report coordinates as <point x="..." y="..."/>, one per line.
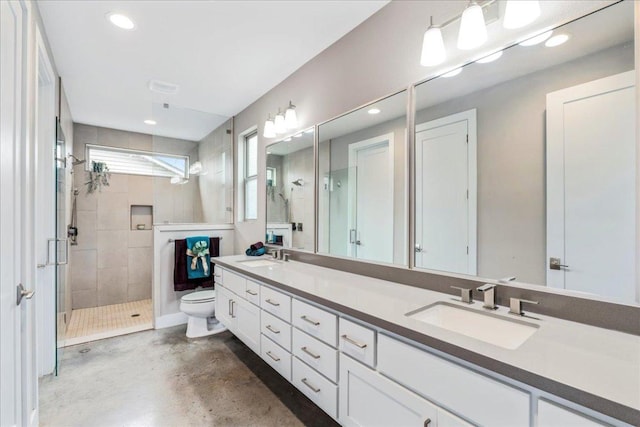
<point x="591" y="366"/>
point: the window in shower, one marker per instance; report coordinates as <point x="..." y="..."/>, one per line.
<point x="250" y="153"/>
<point x="138" y="162"/>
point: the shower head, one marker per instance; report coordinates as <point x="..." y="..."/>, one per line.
<point x="76" y="161"/>
<point x="299" y="182"/>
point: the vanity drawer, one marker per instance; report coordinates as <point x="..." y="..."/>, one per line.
<point x="276" y="329"/>
<point x="234" y="282"/>
<point x="552" y="415"/>
<point x="476" y="397"/>
<point x="276" y="357"/>
<point x="317" y="388"/>
<point x="252" y="293"/>
<point x="315" y="321"/>
<point x="316" y="354"/>
<point x="357" y="341"/>
<point x="276" y="303"/>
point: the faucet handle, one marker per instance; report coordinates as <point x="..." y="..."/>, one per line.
<point x="466" y="295"/>
<point x="515" y="305"/>
<point x="486" y="287"/>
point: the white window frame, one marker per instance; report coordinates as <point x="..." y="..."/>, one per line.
<point x="243" y="178"/>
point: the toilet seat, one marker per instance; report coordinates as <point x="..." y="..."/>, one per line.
<point x="199" y="297"/>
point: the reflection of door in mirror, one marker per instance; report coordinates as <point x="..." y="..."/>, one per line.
<point x="591" y="187"/>
<point x="371" y="199"/>
<point x="446" y="194"/>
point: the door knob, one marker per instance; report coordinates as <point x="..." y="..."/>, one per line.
<point x="23" y="293"/>
<point x="555" y="264"/>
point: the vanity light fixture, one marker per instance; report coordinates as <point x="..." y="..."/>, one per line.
<point x="178" y="180"/>
<point x="373" y="111"/>
<point x="121" y="21"/>
<point x="473" y="31"/>
<point x="490" y="58"/>
<point x="150" y="122"/>
<point x="556" y="40"/>
<point x="269" y="128"/>
<point x="290" y="117"/>
<point x="537" y="39"/>
<point x="453" y="73"/>
<point x="519" y="13"/>
<point x="195" y="168"/>
<point x="433" y="51"/>
<point x="280" y="126"/>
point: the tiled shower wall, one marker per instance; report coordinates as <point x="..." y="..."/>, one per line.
<point x="112" y="264"/>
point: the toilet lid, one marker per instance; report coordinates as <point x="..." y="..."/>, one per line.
<point x="200" y="296"/>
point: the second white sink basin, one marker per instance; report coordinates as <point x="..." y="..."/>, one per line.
<point x="258" y="263"/>
<point x="487" y="327"/>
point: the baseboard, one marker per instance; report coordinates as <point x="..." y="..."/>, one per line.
<point x="169" y="320"/>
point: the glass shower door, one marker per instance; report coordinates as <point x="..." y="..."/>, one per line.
<point x="62" y="244"/>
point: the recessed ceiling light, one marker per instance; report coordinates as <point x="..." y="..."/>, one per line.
<point x="537" y="39"/>
<point x="557" y="40"/>
<point x="489" y="58"/>
<point x="150" y="122"/>
<point x="121" y="21"/>
<point x="453" y="73"/>
<point x="268" y="152"/>
<point x="374" y="111"/>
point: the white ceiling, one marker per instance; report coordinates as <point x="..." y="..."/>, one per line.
<point x="223" y="54"/>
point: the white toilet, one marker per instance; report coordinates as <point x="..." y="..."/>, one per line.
<point x="200" y="306"/>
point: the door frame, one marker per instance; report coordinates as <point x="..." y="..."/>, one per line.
<point x="555" y="163"/>
<point x="352" y="187"/>
<point x="472" y="179"/>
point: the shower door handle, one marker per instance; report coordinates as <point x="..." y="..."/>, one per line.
<point x="66" y="251"/>
<point x="352" y="236"/>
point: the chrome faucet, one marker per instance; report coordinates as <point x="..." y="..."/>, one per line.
<point x="515" y="305"/>
<point x="489" y="292"/>
<point x="277" y="253"/>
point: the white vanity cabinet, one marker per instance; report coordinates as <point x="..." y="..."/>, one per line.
<point x="223" y="306"/>
<point x="552" y="415"/>
<point x="247" y="323"/>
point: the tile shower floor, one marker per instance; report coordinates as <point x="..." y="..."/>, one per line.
<point x="96" y="323"/>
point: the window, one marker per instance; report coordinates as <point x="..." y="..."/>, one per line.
<point x="250" y="152"/>
<point x="137" y="162"/>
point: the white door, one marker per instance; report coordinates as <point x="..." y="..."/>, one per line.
<point x="18" y="382"/>
<point x="366" y="399"/>
<point x="591" y="191"/>
<point x="446" y="194"/>
<point x="371" y="199"/>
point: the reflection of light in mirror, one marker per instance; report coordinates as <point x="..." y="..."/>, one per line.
<point x="490" y="58"/>
<point x="557" y="40"/>
<point x="374" y="111"/>
<point x="473" y="31"/>
<point x="297" y="135"/>
<point x="519" y="13"/>
<point x="309" y="130"/>
<point x="453" y="73"/>
<point x="537" y="39"/>
<point x="287" y="139"/>
<point x="150" y="122"/>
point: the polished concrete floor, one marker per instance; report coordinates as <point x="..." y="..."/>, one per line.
<point x="161" y="378"/>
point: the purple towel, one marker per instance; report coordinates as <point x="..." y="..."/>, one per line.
<point x="256" y="246"/>
<point x="180" y="280"/>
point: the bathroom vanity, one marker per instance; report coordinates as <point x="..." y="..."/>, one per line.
<point x="373" y="352"/>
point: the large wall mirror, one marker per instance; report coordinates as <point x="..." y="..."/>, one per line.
<point x="362" y="183"/>
<point x="525" y="162"/>
<point x="290" y="192"/>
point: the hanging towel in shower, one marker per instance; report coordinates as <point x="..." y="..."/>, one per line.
<point x="182" y="264"/>
<point x="198" y="258"/>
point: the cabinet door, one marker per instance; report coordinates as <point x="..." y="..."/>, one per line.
<point x="550" y="415"/>
<point x="369" y="399"/>
<point x="247" y="319"/>
<point x="223" y="308"/>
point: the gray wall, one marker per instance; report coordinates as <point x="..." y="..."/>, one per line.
<point x="377" y="58"/>
<point x="112" y="264"/>
<point x="511" y="160"/>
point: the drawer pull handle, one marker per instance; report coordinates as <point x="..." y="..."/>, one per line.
<point x="350" y="340"/>
<point x="250" y="292"/>
<point x="230" y="301"/>
<point x="272" y="302"/>
<point x="312" y="387"/>
<point x="427" y="422"/>
<point x="272" y="329"/>
<point x="310" y="353"/>
<point x="217" y="275"/>
<point x="277" y="359"/>
<point x="313" y="322"/>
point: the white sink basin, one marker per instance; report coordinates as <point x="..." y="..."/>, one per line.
<point x="487" y="327"/>
<point x="257" y="263"/>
